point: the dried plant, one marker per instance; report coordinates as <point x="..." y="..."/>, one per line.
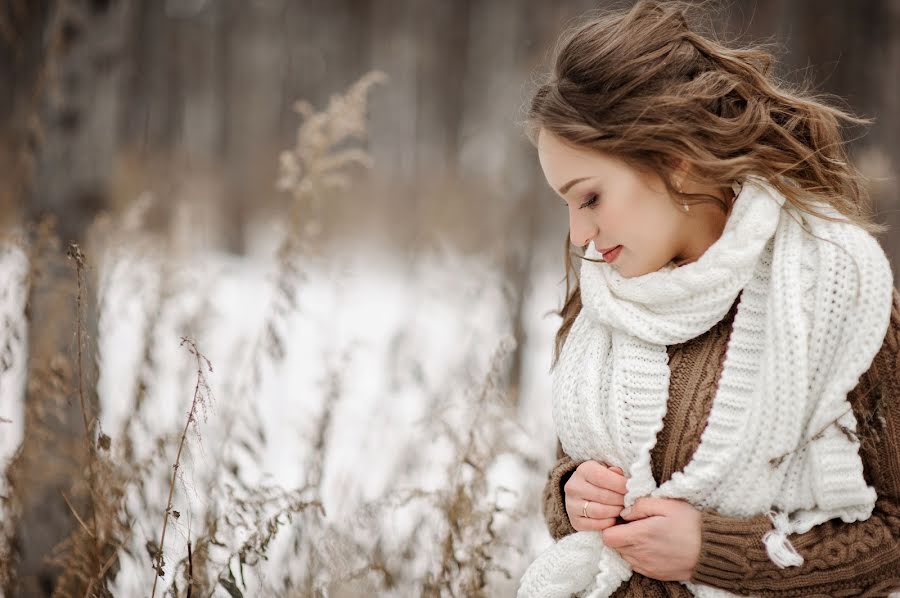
<point x="201" y="399"/>
<point x="313" y="169"/>
<point x="461" y="531"/>
<point x="86" y="558"/>
<point x="317" y="164"/>
<point x="471" y="541"/>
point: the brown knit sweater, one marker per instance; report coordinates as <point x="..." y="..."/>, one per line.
<point x="840" y="559"/>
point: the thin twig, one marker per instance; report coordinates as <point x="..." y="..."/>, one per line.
<point x="190" y="570"/>
<point x="75" y="254"/>
<point x="74" y="512"/>
<point x="112" y="558"/>
<point x="198" y="388"/>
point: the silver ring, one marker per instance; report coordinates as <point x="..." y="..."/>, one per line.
<point x="584" y="510"/>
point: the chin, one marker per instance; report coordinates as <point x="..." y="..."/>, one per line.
<point x="635" y="271"/>
<point x="628" y="272"/>
<point x="631" y="274"/>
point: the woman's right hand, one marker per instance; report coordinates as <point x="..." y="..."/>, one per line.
<point x="604" y="487"/>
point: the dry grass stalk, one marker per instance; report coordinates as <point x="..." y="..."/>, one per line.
<point x="465" y="518"/>
<point x="88" y="555"/>
<point x="244" y="519"/>
<point x="201" y="399"/>
<point x="75" y="254"/>
<point x="86" y="559"/>
<point x="313" y="169"/>
<point x="470" y="538"/>
<point x="310" y="171"/>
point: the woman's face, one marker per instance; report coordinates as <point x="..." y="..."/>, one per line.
<point x="611" y="203"/>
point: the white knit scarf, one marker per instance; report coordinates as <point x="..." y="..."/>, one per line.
<point x="808" y="325"/>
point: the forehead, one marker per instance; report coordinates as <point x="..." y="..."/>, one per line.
<point x="562" y="161"/>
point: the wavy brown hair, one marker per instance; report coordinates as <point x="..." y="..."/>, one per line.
<point x="646" y="85"/>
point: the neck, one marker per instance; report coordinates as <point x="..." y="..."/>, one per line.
<point x="708" y="223"/>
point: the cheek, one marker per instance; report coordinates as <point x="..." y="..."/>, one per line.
<point x="653" y="227"/>
<point x="632" y="228"/>
<point x="625" y="221"/>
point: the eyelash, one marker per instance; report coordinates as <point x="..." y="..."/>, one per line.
<point x="592" y="200"/>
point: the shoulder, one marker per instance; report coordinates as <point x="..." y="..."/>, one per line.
<point x="847" y="289"/>
<point x="882" y="380"/>
<point x="876" y="406"/>
<point x="887" y="360"/>
<point x="842" y="253"/>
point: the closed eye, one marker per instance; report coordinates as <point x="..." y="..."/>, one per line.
<point x="592" y="200"/>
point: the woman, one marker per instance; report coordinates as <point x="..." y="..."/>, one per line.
<point x="727" y="365"/>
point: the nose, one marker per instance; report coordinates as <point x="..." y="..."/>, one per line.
<point x="581" y="230"/>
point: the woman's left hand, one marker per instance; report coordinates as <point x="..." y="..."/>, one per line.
<point x="661" y="539"/>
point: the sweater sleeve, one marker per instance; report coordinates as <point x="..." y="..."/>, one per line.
<point x="554" y="497"/>
<point x="861" y="558"/>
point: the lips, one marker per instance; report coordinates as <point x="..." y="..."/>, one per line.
<point x="612" y="255"/>
<point x="608" y="249"/>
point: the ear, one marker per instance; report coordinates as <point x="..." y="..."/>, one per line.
<point x="680" y="174"/>
<point x="678" y="169"/>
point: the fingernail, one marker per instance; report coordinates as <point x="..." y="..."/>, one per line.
<point x="626" y="512"/>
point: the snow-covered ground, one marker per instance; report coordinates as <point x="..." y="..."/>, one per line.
<point x="13" y="351"/>
<point x="401" y="337"/>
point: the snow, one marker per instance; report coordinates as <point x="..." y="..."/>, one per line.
<point x="13" y="351"/>
<point x="380" y="340"/>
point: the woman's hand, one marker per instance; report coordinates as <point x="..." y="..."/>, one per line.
<point x="603" y="486"/>
<point x="661" y="539"/>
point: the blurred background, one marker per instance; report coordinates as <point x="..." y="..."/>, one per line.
<point x="371" y="273"/>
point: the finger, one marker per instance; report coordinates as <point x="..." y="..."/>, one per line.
<point x="618" y="537"/>
<point x="628" y="558"/>
<point x="594" y="510"/>
<point x="603" y="477"/>
<point x="583" y="524"/>
<point x="648" y="506"/>
<point x="638" y="569"/>
<point x="609" y="497"/>
<point x="618" y="470"/>
<point x="578" y="487"/>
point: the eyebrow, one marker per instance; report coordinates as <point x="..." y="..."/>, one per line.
<point x="565" y="188"/>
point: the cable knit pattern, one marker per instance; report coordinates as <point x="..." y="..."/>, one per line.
<point x="840" y="559"/>
<point x="780" y="436"/>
